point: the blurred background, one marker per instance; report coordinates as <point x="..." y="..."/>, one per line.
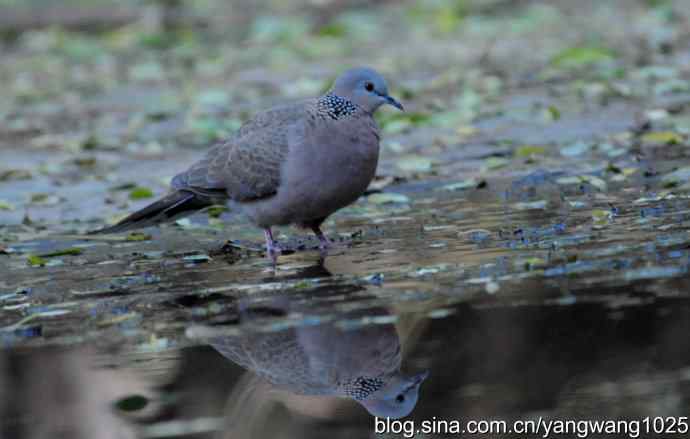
<point x="527" y="236"/>
<point x="95" y="92"/>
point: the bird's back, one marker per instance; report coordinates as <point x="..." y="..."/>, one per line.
<point x="246" y="166"/>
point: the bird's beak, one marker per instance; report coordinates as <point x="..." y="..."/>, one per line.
<point x="393" y="102"/>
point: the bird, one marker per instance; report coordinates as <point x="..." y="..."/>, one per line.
<point x="364" y="364"/>
<point x="296" y="163"/>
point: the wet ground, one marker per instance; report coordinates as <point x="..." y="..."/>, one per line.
<point x="526" y="242"/>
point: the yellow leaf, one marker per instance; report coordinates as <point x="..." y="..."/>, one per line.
<point x="600" y="214"/>
<point x="528" y="150"/>
<point x="662" y="138"/>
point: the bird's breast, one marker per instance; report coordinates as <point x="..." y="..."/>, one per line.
<point x="332" y="171"/>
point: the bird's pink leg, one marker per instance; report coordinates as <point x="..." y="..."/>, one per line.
<point x="325" y="243"/>
<point x="272" y="249"/>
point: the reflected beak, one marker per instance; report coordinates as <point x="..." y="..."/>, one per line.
<point x="420" y="377"/>
<point x="393" y="102"/>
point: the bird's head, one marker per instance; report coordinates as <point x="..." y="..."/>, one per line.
<point x="365" y="88"/>
<point x="397" y="398"/>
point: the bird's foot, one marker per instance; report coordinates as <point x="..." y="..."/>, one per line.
<point x="273" y="250"/>
<point x="324" y="242"/>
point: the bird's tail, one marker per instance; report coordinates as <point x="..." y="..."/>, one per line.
<point x="175" y="205"/>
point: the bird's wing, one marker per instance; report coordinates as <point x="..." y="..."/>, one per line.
<point x="247" y="166"/>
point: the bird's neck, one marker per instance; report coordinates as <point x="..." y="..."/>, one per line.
<point x="361" y="387"/>
<point x="335" y="107"/>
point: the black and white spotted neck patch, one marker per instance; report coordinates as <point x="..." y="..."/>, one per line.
<point x="335" y="107"/>
<point x="362" y="387"/>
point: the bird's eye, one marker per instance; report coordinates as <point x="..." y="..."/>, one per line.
<point x="369" y="86"/>
<point x="400" y="399"/>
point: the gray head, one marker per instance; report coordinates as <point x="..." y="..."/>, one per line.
<point x="365" y="88"/>
<point x="397" y="398"/>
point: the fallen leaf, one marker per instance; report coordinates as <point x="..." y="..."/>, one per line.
<point x="541" y="204"/>
<point x="529" y="150"/>
<point x="601" y="216"/>
<point x="216" y="211"/>
<point x="534" y="262"/>
<point x="70" y="251"/>
<point x="576" y="149"/>
<point x="15" y="174"/>
<point x="595" y="181"/>
<point x="138" y="236"/>
<point x="461" y="185"/>
<point x="680" y="175"/>
<point x="387" y="198"/>
<point x="415" y="163"/>
<point x="575" y="57"/>
<point x="196" y="259"/>
<point x="495" y="163"/>
<point x="140" y="192"/>
<point x="44" y="199"/>
<point x="662" y="138"/>
<point x="36" y="261"/>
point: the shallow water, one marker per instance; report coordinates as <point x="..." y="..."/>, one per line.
<point x="541" y="312"/>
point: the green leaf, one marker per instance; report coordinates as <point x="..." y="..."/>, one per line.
<point x="138" y="236"/>
<point x="216" y="211"/>
<point x="334" y="30"/>
<point x="36" y="261"/>
<point x="581" y="57"/>
<point x="532" y="263"/>
<point x="90" y="143"/>
<point x="529" y="150"/>
<point x="394" y="123"/>
<point x="553" y="113"/>
<point x="494" y="163"/>
<point x="449" y="17"/>
<point x="302" y="285"/>
<point x="140" y="192"/>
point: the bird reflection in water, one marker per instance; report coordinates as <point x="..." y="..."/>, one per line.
<point x="361" y="362"/>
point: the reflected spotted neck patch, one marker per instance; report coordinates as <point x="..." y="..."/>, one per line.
<point x="335" y="107"/>
<point x="362" y="387"/>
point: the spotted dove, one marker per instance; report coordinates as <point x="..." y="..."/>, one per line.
<point x="292" y="164"/>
